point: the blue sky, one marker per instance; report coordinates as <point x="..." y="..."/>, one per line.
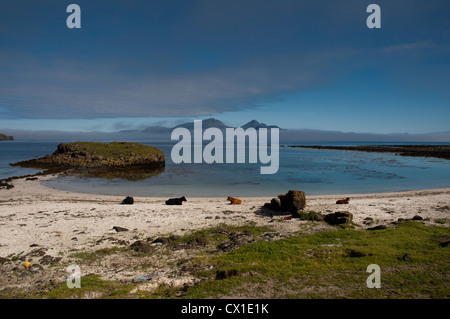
<point x="292" y="63"/>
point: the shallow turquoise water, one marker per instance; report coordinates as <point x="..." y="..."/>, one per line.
<point x="313" y="171"/>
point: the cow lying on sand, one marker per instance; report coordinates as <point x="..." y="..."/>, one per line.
<point x="343" y="201"/>
<point x="176" y="201"/>
<point x="234" y="201"/>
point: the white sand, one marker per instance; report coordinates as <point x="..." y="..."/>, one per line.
<point x="31" y="213"/>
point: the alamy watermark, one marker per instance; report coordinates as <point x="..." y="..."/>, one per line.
<point x="73" y="21"/>
<point x="374" y="279"/>
<point x="74" y="279"/>
<point x="235" y="140"/>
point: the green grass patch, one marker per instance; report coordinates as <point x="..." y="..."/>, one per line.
<point x="92" y="287"/>
<point x="332" y="264"/>
<point x="442" y="221"/>
<point x="113" y="150"/>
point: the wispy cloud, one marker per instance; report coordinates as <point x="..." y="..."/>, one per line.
<point x="71" y="89"/>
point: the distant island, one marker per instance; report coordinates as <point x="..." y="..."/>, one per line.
<point x="4" y="137"/>
<point x="111" y="160"/>
<point x="438" y="151"/>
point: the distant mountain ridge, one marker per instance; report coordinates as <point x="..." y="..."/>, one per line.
<point x="257" y="125"/>
<point x="206" y="123"/>
<point x="295" y="136"/>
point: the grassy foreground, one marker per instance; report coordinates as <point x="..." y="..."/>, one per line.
<point x="413" y="259"/>
<point x="333" y="264"/>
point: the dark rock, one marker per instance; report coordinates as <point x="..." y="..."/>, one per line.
<point x="31" y="179"/>
<point x="275" y="203"/>
<point x="162" y="240"/>
<point x="199" y="241"/>
<point x="128" y="201"/>
<point x="444" y="243"/>
<point x="6" y="185"/>
<point x="36" y="268"/>
<point x="119" y="229"/>
<point x="38" y="252"/>
<point x="189" y="269"/>
<point x="406" y="257"/>
<point x="293" y="202"/>
<point x="224" y="274"/>
<point x="49" y="260"/>
<point x="338" y="218"/>
<point x="354" y="253"/>
<point x="377" y="227"/>
<point x="445" y="240"/>
<point x="417" y="217"/>
<point x="311" y="216"/>
<point x="176" y="201"/>
<point x="235" y="241"/>
<point x="141" y="246"/>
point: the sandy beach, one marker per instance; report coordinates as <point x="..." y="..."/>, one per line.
<point x="59" y="222"/>
<point x="31" y="213"/>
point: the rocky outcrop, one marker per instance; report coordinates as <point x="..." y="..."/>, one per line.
<point x="4" y="137"/>
<point x="293" y="202"/>
<point x="128" y="201"/>
<point x="438" y="151"/>
<point x="94" y="159"/>
<point x="338" y="218"/>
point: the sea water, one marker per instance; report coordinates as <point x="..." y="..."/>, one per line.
<point x="314" y="171"/>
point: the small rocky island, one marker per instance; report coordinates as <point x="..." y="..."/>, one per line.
<point x="131" y="161"/>
<point x="4" y="137"/>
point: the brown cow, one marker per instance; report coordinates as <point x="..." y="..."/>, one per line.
<point x="343" y="201"/>
<point x="234" y="201"/>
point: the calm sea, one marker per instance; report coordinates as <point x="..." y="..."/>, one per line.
<point x="313" y="171"/>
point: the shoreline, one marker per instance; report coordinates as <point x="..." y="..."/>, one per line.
<point x="31" y="207"/>
<point x="424" y="150"/>
<point x="47" y="176"/>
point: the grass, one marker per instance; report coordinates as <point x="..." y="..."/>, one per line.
<point x="91" y="287"/>
<point x="321" y="266"/>
<point x="114" y="150"/>
<point x="327" y="264"/>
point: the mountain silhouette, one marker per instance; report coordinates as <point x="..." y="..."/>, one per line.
<point x="257" y="125"/>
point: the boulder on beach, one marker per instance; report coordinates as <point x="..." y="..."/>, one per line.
<point x="338" y="218"/>
<point x="292" y="202"/>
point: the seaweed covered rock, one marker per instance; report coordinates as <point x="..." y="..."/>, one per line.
<point x="338" y="218"/>
<point x="292" y="202"/>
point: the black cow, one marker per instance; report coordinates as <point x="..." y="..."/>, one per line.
<point x="176" y="201"/>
